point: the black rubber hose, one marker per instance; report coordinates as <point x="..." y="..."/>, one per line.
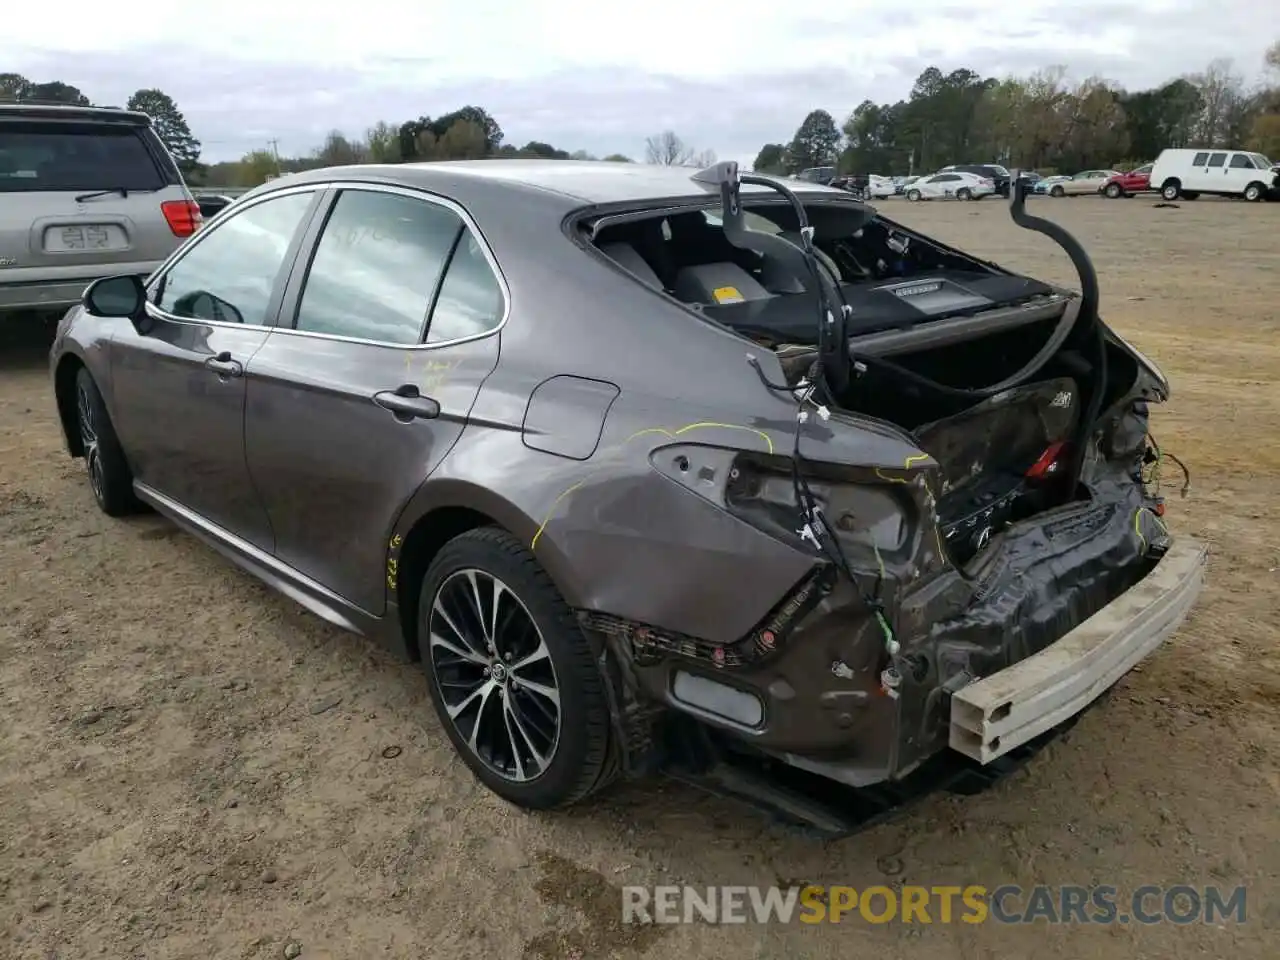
<point x="1086" y="305"/>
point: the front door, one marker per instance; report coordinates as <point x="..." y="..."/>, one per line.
<point x="179" y="385"/>
<point x="367" y="383"/>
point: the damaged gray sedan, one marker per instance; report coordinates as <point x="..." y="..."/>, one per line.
<point x="652" y="469"/>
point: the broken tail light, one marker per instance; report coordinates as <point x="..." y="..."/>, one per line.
<point x="183" y="216"/>
<point x="1049" y="463"/>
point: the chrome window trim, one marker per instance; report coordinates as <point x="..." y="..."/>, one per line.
<point x="413" y="193"/>
<point x="198" y="238"/>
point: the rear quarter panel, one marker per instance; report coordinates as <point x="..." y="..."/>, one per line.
<point x="626" y="531"/>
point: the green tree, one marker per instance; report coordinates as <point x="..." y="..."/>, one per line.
<point x="618" y="158"/>
<point x="170" y="126"/>
<point x="59" y="92"/>
<point x="256" y="167"/>
<point x="382" y="143"/>
<point x="490" y="132"/>
<point x="462" y="140"/>
<point x="816" y="142"/>
<point x="14" y="86"/>
<point x="772" y="159"/>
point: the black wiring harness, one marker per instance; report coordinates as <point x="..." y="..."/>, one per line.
<point x="830" y="373"/>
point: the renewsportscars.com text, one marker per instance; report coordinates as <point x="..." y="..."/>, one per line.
<point x="1067" y="904"/>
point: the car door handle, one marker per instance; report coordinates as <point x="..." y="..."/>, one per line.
<point x="224" y="366"/>
<point x="407" y="403"/>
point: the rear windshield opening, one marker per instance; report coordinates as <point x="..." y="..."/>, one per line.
<point x="39" y="156"/>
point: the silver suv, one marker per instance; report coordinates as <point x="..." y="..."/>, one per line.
<point x="85" y="192"/>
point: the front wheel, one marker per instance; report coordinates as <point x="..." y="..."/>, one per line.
<point x="1113" y="191"/>
<point x="511" y="675"/>
<point x="964" y="194"/>
<point x="110" y="478"/>
<point x="1057" y="192"/>
<point x="1171" y="190"/>
<point x="1253" y="192"/>
<point x="913" y="195"/>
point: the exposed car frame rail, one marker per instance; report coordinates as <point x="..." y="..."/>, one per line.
<point x="996" y="714"/>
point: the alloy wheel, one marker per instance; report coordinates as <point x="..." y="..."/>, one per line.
<point x="494" y="674"/>
<point x="89" y="441"/>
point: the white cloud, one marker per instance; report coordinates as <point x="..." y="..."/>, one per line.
<point x="595" y="76"/>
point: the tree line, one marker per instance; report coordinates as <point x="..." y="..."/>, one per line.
<point x="468" y="133"/>
<point x="1042" y="122"/>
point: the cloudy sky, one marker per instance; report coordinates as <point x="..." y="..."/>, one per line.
<point x="599" y="76"/>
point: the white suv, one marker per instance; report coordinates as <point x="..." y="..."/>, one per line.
<point x="85" y="192"/>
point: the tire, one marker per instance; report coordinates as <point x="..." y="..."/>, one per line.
<point x="557" y="761"/>
<point x="1113" y="191"/>
<point x="1254" y="192"/>
<point x="913" y="195"/>
<point x="964" y="193"/>
<point x="1057" y="190"/>
<point x="110" y="478"/>
<point x="1171" y="190"/>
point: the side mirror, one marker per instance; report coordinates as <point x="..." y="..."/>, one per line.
<point x="115" y="297"/>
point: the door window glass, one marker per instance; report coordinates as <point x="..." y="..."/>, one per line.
<point x="470" y="301"/>
<point x="1200" y="159"/>
<point x="1241" y="161"/>
<point x="229" y="274"/>
<point x="376" y="267"/>
<point x="1217" y="160"/>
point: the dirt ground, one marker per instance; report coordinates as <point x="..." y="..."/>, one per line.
<point x="192" y="766"/>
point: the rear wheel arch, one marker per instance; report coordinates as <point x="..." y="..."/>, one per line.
<point x="416" y="548"/>
<point x="444" y="510"/>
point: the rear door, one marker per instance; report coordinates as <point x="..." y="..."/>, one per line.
<point x="388" y="330"/>
<point x="83" y="198"/>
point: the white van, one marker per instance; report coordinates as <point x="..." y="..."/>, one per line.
<point x="1189" y="172"/>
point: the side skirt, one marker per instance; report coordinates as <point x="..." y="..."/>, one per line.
<point x="315" y="597"/>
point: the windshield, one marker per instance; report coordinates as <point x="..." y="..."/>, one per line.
<point x="1000" y="171"/>
<point x="36" y="156"/>
<point x="1262" y="162"/>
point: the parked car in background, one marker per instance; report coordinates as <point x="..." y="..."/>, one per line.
<point x="1137" y="180"/>
<point x="998" y="175"/>
<point x="85" y="192"/>
<point x="951" y="185"/>
<point x="822" y="175"/>
<point x="1188" y="172"/>
<point x="879" y="188"/>
<point x="212" y="204"/>
<point x="1082" y="184"/>
<point x="904" y="183"/>
<point x="1045" y="184"/>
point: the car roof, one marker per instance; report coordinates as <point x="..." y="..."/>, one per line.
<point x="586" y="181"/>
<point x="25" y="109"/>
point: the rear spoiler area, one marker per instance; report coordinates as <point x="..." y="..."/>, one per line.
<point x="35" y="110"/>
